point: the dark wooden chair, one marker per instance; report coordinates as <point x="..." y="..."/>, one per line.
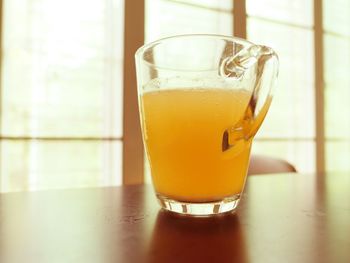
<point x="260" y="164"/>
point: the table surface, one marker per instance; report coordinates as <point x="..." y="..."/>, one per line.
<point x="282" y="218"/>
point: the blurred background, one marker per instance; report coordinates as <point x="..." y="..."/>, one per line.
<point x="68" y="92"/>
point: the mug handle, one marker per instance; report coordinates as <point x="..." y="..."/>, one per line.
<point x="264" y="61"/>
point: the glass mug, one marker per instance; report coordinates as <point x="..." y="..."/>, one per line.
<point x="202" y="99"/>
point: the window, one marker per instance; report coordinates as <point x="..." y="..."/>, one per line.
<point x="289" y="129"/>
<point x="68" y="95"/>
<point x="336" y="54"/>
<point x="303" y="125"/>
<point x="62" y="86"/>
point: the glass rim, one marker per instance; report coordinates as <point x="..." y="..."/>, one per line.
<point x="151" y="44"/>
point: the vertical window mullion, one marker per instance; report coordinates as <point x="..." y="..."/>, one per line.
<point x="1" y="52"/>
<point x="319" y="87"/>
<point x="239" y="18"/>
<point x="133" y="159"/>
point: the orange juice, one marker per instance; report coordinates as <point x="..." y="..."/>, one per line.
<point x="183" y="134"/>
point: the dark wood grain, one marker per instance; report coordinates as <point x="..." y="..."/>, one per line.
<point x="282" y="218"/>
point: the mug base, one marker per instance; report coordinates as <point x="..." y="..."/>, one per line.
<point x="226" y="205"/>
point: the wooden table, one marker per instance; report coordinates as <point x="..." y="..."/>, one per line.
<point x="282" y="218"/>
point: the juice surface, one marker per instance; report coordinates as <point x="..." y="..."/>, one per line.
<point x="183" y="133"/>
